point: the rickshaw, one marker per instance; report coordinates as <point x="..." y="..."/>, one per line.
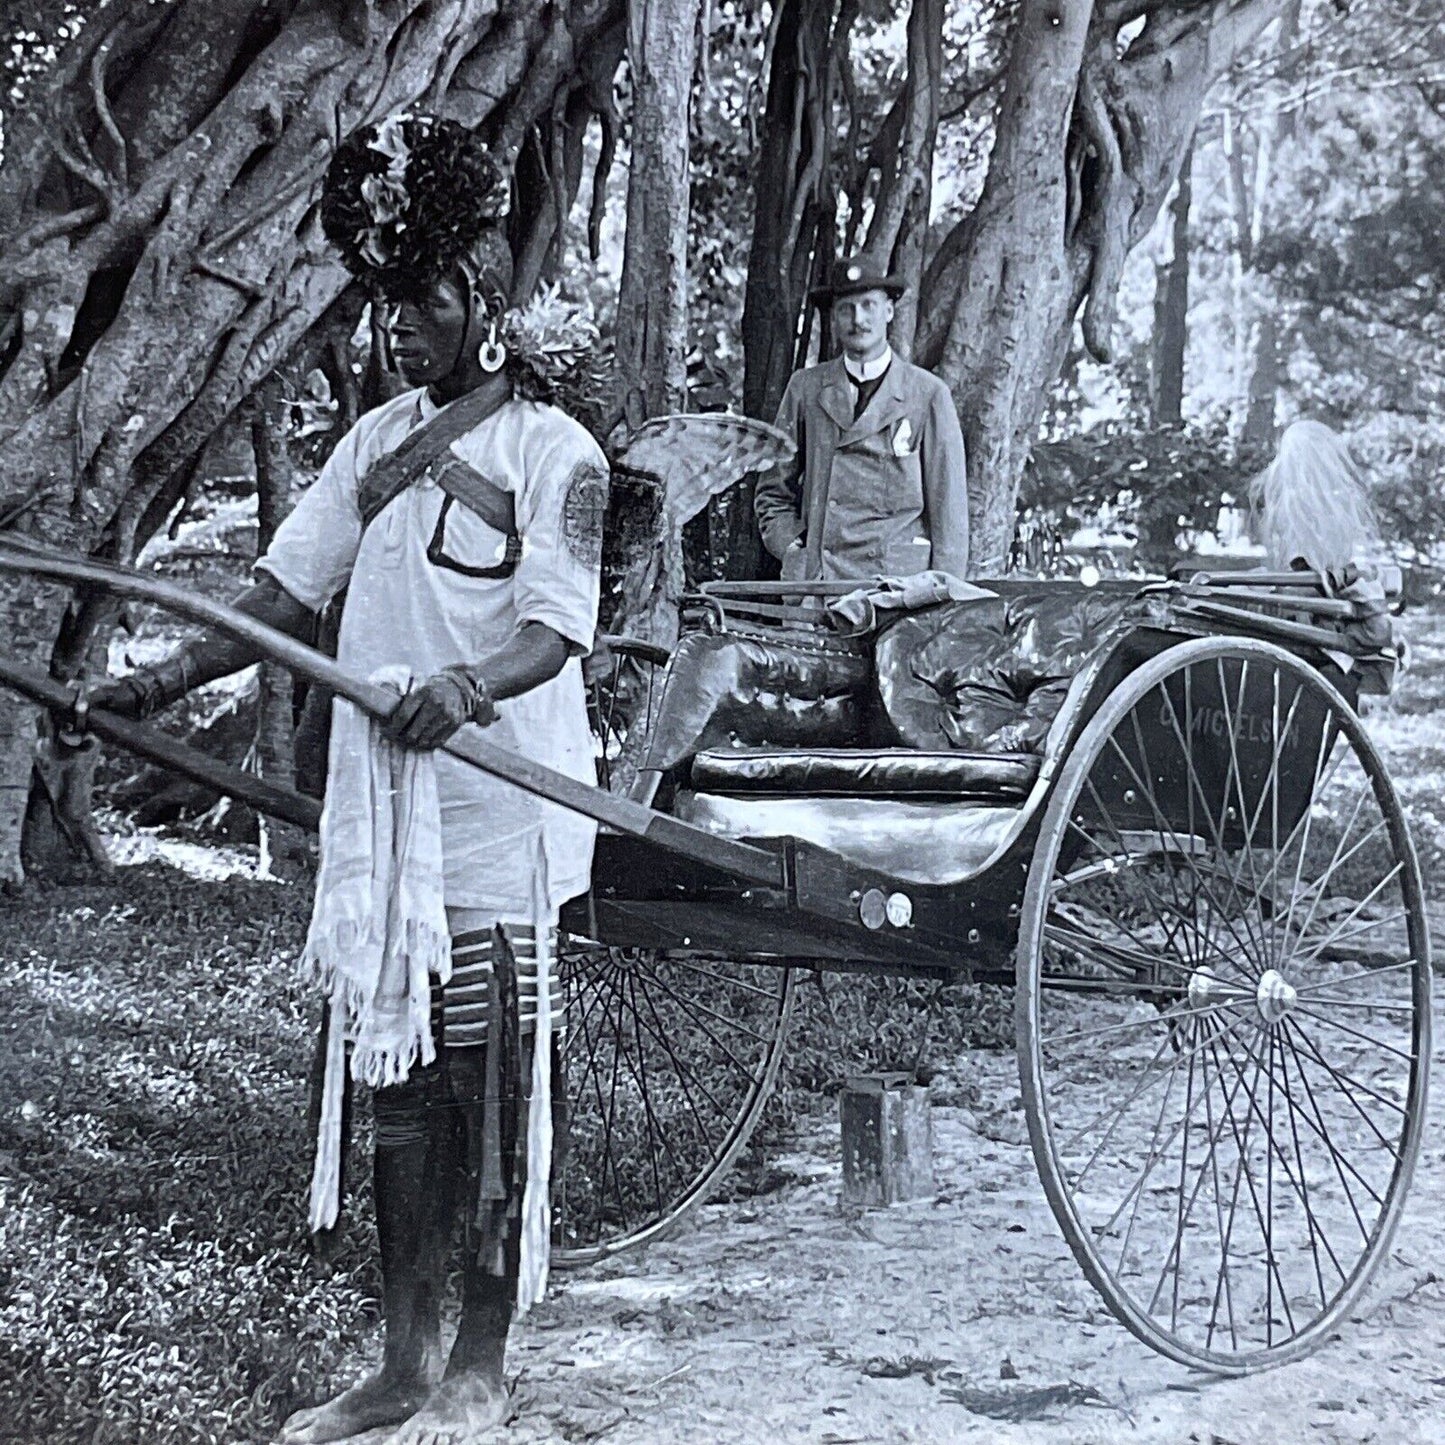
<point x="1150" y="807"/>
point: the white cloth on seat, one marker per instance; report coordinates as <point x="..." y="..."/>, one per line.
<point x="379" y="925"/>
<point x="915" y="842"/>
<point x="857" y="613"/>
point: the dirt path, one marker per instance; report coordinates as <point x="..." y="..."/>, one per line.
<point x="791" y="1319"/>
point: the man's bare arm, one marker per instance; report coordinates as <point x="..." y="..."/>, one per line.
<point x="212" y="655"/>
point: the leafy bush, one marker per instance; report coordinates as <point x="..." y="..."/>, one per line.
<point x="1158" y="486"/>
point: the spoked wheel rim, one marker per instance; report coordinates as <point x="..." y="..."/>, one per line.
<point x="1223" y="1009"/>
<point x="669" y="1061"/>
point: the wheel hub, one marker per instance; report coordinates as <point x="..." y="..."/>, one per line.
<point x="1204" y="987"/>
<point x="1274" y="996"/>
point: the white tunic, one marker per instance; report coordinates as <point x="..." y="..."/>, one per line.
<point x="403" y="607"/>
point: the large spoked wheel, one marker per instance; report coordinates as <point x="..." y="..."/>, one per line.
<point x="669" y="1060"/>
<point x="1224" y="1004"/>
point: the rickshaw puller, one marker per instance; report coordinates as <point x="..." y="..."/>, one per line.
<point x="493" y="613"/>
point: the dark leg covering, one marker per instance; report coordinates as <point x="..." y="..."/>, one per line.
<point x="491" y="1079"/>
<point x="417" y="1169"/>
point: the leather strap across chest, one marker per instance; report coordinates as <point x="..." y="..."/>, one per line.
<point x="426" y="453"/>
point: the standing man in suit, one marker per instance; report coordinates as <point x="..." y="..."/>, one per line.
<point x="879" y="486"/>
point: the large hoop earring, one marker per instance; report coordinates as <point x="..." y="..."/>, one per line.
<point x="492" y="355"/>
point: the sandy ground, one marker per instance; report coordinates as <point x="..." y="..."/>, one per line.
<point x="793" y="1318"/>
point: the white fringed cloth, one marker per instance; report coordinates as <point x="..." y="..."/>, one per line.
<point x="535" y="1254"/>
<point x="379" y="935"/>
<point x="379" y="926"/>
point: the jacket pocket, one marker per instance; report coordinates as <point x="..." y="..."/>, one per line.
<point x="908" y="555"/>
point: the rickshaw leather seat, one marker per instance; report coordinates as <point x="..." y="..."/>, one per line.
<point x="865" y="772"/>
<point x="990" y="675"/>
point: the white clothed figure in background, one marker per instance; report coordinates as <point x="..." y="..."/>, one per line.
<point x="1313" y="503"/>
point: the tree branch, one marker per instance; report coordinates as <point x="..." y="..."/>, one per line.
<point x="98" y="63"/>
<point x="1100" y="218"/>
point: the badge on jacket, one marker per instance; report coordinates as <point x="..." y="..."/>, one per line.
<point x="904" y="442"/>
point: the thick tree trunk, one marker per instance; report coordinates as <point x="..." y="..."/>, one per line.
<point x="652" y="297"/>
<point x="160" y="247"/>
<point x="792" y="206"/>
<point x="899" y="226"/>
<point x="1008" y="271"/>
<point x="1171" y="311"/>
<point x="1089" y="140"/>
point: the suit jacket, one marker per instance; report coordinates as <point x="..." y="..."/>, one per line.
<point x="885" y="495"/>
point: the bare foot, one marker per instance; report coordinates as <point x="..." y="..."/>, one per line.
<point x="378" y="1400"/>
<point x="459" y="1411"/>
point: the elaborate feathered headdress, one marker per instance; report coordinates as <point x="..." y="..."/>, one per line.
<point x="1314" y="504"/>
<point x="409" y="199"/>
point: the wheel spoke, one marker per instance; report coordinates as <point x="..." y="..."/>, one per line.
<point x="1299" y="1154"/>
<point x="1236" y="773"/>
<point x="1112" y="870"/>
<point x="1266" y="1236"/>
<point x="1315" y="1120"/>
<point x="1111" y="955"/>
<point x="1317" y="888"/>
<point x="1196" y="786"/>
<point x="1299" y="1011"/>
<point x="1368" y="976"/>
<point x="1189" y="857"/>
<point x="1172" y="1015"/>
<point x="1348" y="1086"/>
<point x="667" y="1103"/>
<point x="1151" y="1080"/>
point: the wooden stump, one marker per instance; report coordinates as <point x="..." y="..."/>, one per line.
<point x="887" y="1140"/>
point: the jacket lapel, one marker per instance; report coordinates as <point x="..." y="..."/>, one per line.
<point x="836" y="396"/>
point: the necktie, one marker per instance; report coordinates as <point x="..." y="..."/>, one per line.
<point x="864" y="392"/>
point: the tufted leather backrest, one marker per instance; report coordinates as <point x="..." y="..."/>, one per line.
<point x="990" y="675"/>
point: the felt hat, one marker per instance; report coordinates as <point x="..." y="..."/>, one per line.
<point x="411" y="198"/>
<point x="854" y="276"/>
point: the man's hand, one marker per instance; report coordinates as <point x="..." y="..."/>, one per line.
<point x="433" y="710"/>
<point x="795" y="560"/>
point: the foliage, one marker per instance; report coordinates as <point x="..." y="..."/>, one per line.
<point x="1163" y="488"/>
<point x="855" y="1023"/>
<point x="1359" y="263"/>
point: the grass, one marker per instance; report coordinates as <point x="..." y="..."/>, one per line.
<point x="155" y="1280"/>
